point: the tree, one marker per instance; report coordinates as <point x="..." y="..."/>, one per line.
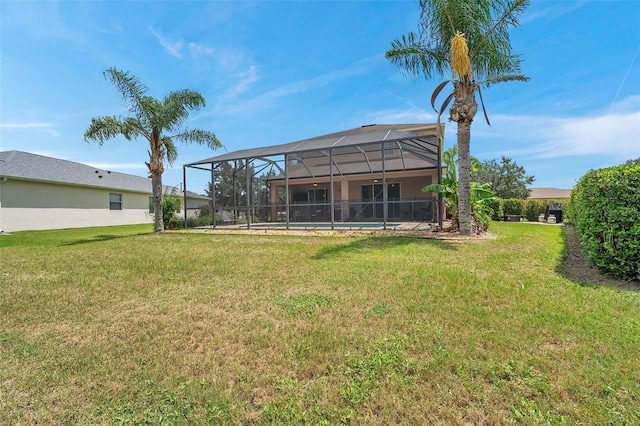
<point x="507" y="178"/>
<point x="469" y="38"/>
<point x="231" y="184"/>
<point x="158" y="121"/>
<point x="481" y="194"/>
<point x="632" y="162"/>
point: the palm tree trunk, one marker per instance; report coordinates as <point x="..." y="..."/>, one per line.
<point x="462" y="112"/>
<point x="156" y="188"/>
<point x="464" y="177"/>
<point x="156" y="168"/>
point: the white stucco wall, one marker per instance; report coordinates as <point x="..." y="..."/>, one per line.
<point x="22" y="219"/>
<point x="28" y="205"/>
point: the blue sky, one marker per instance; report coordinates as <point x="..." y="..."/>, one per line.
<point x="274" y="72"/>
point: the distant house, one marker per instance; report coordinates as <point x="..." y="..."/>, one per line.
<point x="549" y="194"/>
<point x="38" y="192"/>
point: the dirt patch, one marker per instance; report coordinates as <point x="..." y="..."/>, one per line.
<point x="578" y="268"/>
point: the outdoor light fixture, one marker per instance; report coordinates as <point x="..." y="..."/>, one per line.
<point x="315" y="184"/>
<point x="375" y="181"/>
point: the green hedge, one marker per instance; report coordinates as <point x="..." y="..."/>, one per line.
<point x="497" y="208"/>
<point x="513" y="206"/>
<point x="534" y="208"/>
<point x="529" y="209"/>
<point x="605" y="208"/>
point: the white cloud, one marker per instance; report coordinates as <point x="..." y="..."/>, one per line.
<point x="198" y="53"/>
<point x="172" y="48"/>
<point x="615" y="135"/>
<point x="13" y="126"/>
<point x="199" y="50"/>
<point x="401" y="116"/>
<point x="243" y="80"/>
<point x="270" y="97"/>
<point x="37" y="126"/>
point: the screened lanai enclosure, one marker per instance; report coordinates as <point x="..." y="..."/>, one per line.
<point x="372" y="174"/>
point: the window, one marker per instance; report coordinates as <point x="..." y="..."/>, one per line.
<point x="294" y="160"/>
<point x="115" y="201"/>
<point x="389" y="148"/>
<point x="152" y="205"/>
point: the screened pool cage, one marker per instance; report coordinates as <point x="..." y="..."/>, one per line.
<point x="369" y="175"/>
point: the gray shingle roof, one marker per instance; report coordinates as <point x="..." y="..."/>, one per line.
<point x="359" y="136"/>
<point x="34" y="167"/>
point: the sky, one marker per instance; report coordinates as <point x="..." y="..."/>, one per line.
<point x="274" y="72"/>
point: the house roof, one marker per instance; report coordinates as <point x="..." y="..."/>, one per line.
<point x="27" y="166"/>
<point x="422" y="135"/>
<point x="549" y="193"/>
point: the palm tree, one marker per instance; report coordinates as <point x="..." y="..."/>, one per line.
<point x="151" y="118"/>
<point x="470" y="39"/>
<point x="481" y="194"/>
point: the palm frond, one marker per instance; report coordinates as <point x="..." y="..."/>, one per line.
<point x="506" y="13"/>
<point x="485" y="24"/>
<point x="444" y="106"/>
<point x="176" y="106"/>
<point x="415" y="58"/>
<point x="102" y="129"/>
<point x="201" y="137"/>
<point x="504" y="78"/>
<point x="170" y="150"/>
<point x="484" y="110"/>
<point x="436" y="92"/>
<point x="129" y="87"/>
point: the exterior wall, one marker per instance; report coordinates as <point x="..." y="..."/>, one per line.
<point x="28" y="205"/>
<point x="413" y="205"/>
<point x="411" y="184"/>
<point x="194" y="205"/>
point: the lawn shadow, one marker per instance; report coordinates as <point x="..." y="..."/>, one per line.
<point x="99" y="238"/>
<point x="379" y="243"/>
<point x="576" y="267"/>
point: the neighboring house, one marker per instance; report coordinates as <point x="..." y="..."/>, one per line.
<point x="38" y="192"/>
<point x="549" y="194"/>
<point x="373" y="173"/>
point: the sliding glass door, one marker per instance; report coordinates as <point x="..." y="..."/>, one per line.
<point x="373" y="201"/>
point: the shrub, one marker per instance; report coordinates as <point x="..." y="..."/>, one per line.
<point x="192" y="222"/>
<point x="170" y="205"/>
<point x="533" y="209"/>
<point x="513" y="206"/>
<point x="497" y="208"/>
<point x="605" y="207"/>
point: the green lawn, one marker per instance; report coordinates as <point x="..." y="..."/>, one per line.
<point x="121" y="326"/>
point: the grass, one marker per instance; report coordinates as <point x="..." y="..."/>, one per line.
<point x="121" y="326"/>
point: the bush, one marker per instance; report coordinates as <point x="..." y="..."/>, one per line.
<point x="497" y="208"/>
<point x="513" y="206"/>
<point x="192" y="222"/>
<point x="170" y="205"/>
<point x="533" y="209"/>
<point x="605" y="207"/>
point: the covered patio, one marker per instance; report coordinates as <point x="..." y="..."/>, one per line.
<point x="369" y="174"/>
